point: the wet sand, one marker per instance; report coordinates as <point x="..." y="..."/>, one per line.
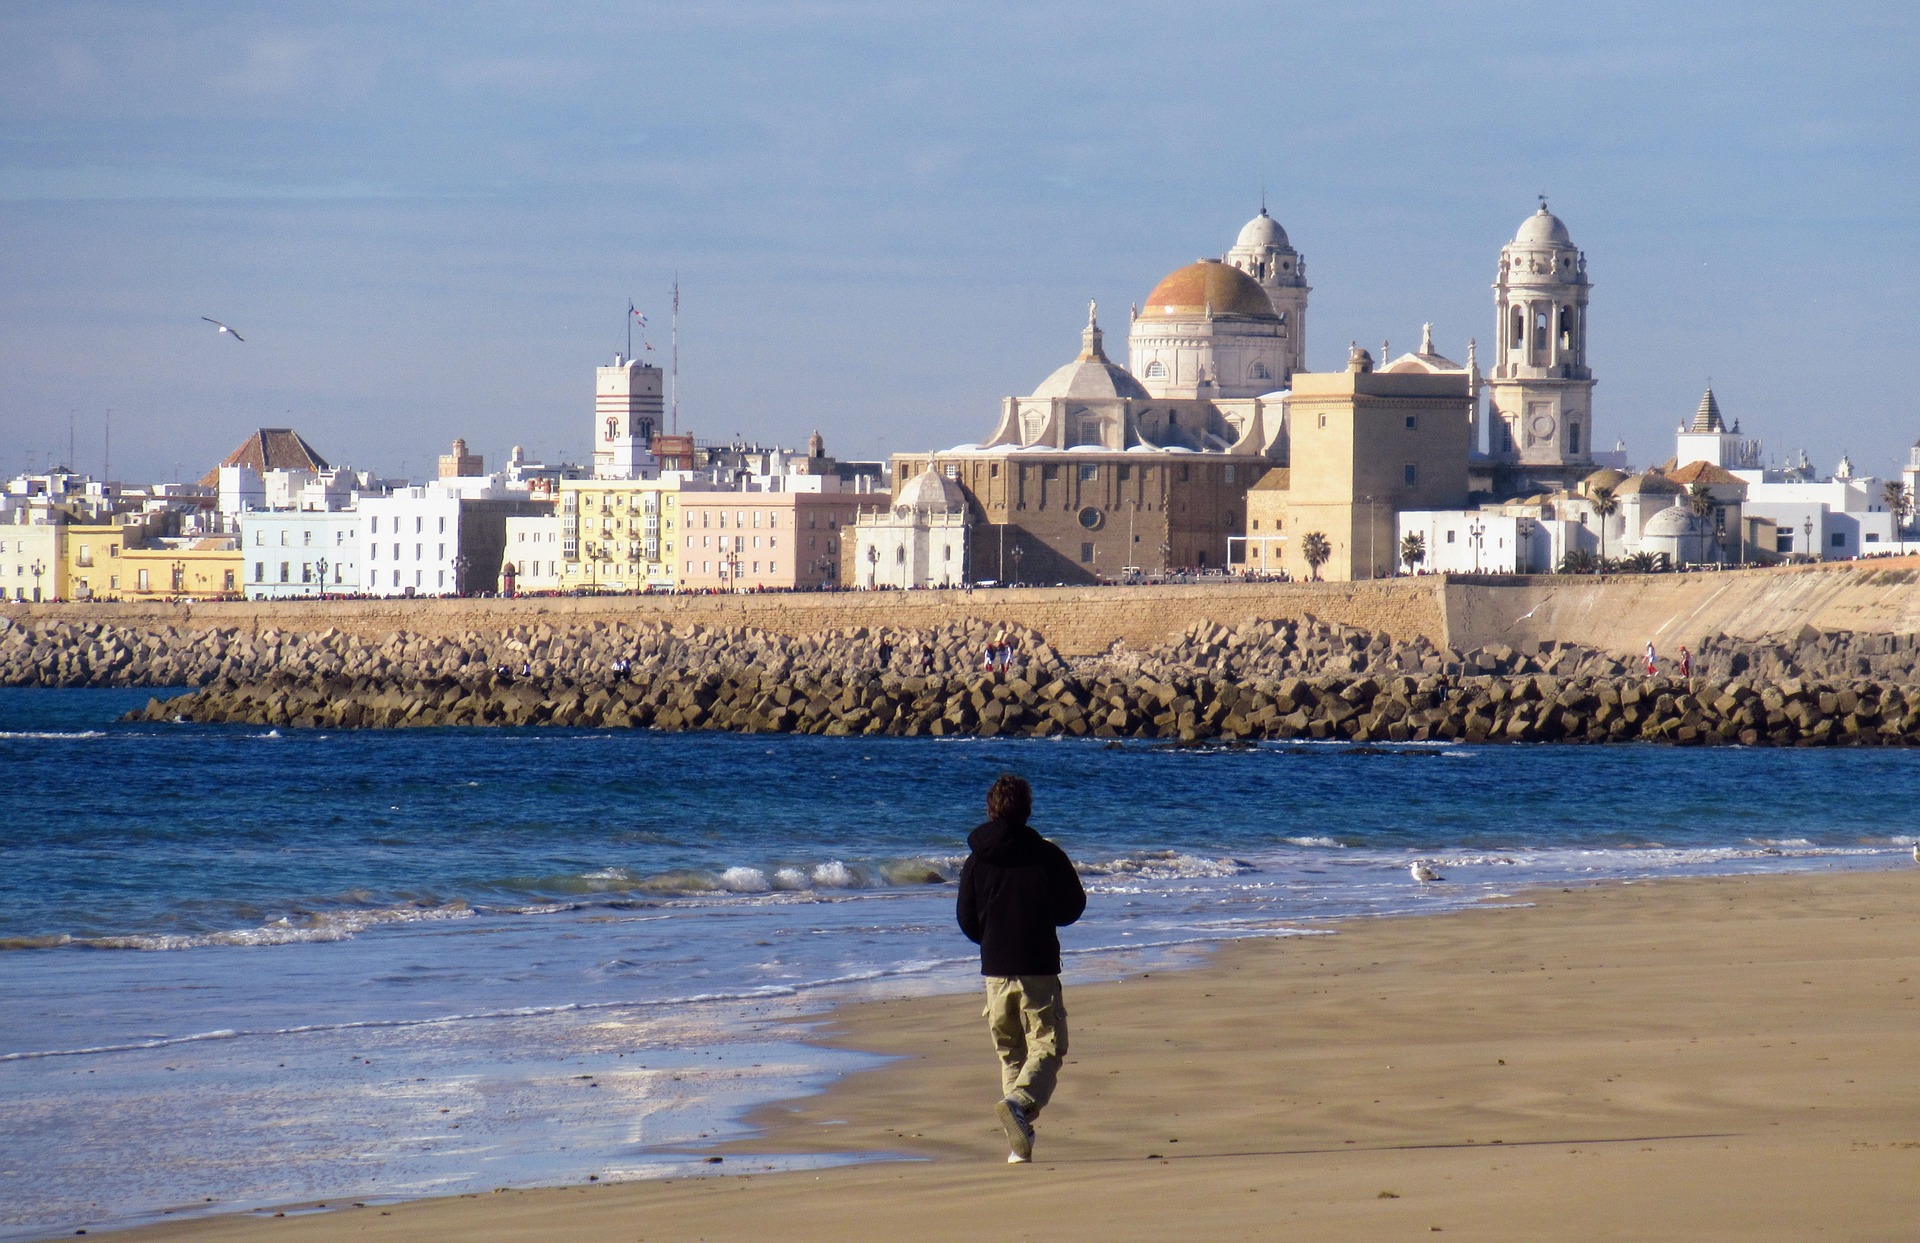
<point x="1694" y="1059"/>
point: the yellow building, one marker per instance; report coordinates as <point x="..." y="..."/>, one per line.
<point x="618" y="534"/>
<point x="32" y="562"/>
<point x="200" y="569"/>
<point x="92" y="560"/>
<point x="1365" y="445"/>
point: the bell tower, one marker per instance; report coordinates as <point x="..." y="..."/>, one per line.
<point x="1540" y="393"/>
<point x="1264" y="253"/>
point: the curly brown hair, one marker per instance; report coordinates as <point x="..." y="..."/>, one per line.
<point x="1010" y="799"/>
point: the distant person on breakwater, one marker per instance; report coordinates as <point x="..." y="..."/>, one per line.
<point x="1016" y="888"/>
<point x="1653" y="661"/>
<point x="1686" y="663"/>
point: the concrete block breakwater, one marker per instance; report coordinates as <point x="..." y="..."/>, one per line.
<point x="1186" y="708"/>
<point x="1285" y="679"/>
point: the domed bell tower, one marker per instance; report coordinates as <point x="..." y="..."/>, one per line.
<point x="1540" y="394"/>
<point x="1264" y="253"/>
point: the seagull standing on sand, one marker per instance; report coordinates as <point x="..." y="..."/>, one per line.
<point x="1421" y="872"/>
<point x="223" y="328"/>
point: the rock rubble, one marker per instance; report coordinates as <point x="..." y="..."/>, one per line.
<point x="1275" y="679"/>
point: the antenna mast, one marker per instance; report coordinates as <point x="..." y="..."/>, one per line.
<point x="676" y="354"/>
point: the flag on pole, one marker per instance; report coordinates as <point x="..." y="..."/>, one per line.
<point x="639" y="316"/>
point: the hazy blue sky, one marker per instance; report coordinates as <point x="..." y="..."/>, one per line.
<point x="428" y="219"/>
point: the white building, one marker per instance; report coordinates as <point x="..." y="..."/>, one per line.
<point x="534" y="552"/>
<point x="1483" y="541"/>
<point x="289" y="553"/>
<point x="920" y="542"/>
<point x="412" y="540"/>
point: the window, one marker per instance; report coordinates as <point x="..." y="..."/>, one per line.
<point x="284" y="575"/>
<point x="1413" y="422"/>
<point x="259" y="571"/>
<point x="306" y="571"/>
<point x="1259" y="372"/>
<point x="1086" y="553"/>
<point x="1089" y="472"/>
<point x="1573" y="438"/>
<point x="259" y="537"/>
<point x="1229" y="472"/>
<point x="306" y="537"/>
<point x="1156" y="371"/>
<point x="86" y="556"/>
<point x="140" y="581"/>
<point x="951" y="470"/>
<point x="443" y="526"/>
<point x="1872" y="537"/>
<point x="283" y="537"/>
<point x="1519" y="327"/>
<point x="228" y="584"/>
<point x="1412" y="474"/>
<point x="1839" y="539"/>
<point x="1449" y="537"/>
<point x="1323" y="420"/>
<point x="1050" y="471"/>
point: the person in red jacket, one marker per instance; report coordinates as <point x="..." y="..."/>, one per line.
<point x="1016" y="888"/>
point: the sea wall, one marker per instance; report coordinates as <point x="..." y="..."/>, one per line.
<point x="1617" y="614"/>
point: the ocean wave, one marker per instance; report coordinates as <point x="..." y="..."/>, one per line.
<point x="300" y="928"/>
<point x="1164" y="865"/>
<point x="1320" y="842"/>
<point x="740" y="878"/>
<point x="77" y="734"/>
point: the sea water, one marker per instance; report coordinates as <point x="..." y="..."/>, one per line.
<point x="244" y="966"/>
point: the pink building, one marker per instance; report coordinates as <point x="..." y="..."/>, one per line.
<point x="768" y="540"/>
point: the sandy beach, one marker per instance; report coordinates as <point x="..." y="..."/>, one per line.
<point x="1689" y="1059"/>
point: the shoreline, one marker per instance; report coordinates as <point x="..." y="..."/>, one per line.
<point x="1759" y="1083"/>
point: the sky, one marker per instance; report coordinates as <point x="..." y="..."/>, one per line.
<point x="428" y="220"/>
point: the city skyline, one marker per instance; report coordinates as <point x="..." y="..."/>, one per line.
<point x="884" y="221"/>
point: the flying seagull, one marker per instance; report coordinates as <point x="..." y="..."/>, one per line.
<point x="223" y="328"/>
<point x="1421" y="872"/>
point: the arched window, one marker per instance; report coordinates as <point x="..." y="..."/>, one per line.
<point x="1573" y="438"/>
<point x="1519" y="328"/>
<point x="1259" y="372"/>
<point x="1156" y="370"/>
<point x="613" y="428"/>
<point x="646" y="430"/>
<point x="1566" y="327"/>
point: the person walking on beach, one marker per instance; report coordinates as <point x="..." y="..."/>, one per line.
<point x="1016" y="888"/>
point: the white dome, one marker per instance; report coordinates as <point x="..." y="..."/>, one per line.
<point x="1543" y="228"/>
<point x="1090" y="377"/>
<point x="1670" y="522"/>
<point x="1262" y="231"/>
<point x="931" y="491"/>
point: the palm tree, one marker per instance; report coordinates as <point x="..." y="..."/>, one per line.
<point x="1317" y="552"/>
<point x="1699" y="505"/>
<point x="1605" y="505"/>
<point x="1578" y="561"/>
<point x="1899" y="504"/>
<point x="1413" y="550"/>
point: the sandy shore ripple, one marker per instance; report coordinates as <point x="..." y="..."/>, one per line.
<point x="1692" y="1059"/>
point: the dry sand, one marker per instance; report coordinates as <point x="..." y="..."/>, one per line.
<point x="1704" y="1059"/>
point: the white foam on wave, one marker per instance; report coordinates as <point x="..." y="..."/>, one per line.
<point x="1325" y="843"/>
<point x="54" y="734"/>
<point x="834" y="874"/>
<point x="744" y="880"/>
<point x="320" y="926"/>
<point x="1163" y="865"/>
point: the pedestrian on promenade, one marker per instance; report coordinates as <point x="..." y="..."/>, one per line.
<point x="1653" y="661"/>
<point x="1016" y="888"/>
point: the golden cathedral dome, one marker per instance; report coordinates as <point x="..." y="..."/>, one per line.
<point x="1208" y="285"/>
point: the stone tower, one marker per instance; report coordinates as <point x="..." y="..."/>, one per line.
<point x="1540" y="394"/>
<point x="626" y="417"/>
<point x="1264" y="253"/>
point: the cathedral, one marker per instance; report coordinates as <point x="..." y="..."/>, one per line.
<point x="1110" y="472"/>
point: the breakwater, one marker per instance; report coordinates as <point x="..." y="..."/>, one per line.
<point x="1269" y="679"/>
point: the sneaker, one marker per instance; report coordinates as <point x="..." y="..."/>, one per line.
<point x="1019" y="1131"/>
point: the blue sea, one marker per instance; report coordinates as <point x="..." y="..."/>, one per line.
<point x="243" y="967"/>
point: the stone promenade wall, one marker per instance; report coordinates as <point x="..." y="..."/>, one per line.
<point x="1076" y="621"/>
<point x="1616" y="614"/>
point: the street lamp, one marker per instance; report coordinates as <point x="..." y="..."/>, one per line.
<point x="1477" y="531"/>
<point x="873" y="567"/>
<point x="1018" y="552"/>
<point x="321" y="565"/>
<point x="38" y="568"/>
<point x="1720" y="539"/>
<point x="177" y="574"/>
<point x="1808" y="528"/>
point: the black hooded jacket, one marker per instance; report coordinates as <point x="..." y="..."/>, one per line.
<point x="1015" y="889"/>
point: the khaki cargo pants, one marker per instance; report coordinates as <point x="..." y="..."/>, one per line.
<point x="1028" y="1019"/>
